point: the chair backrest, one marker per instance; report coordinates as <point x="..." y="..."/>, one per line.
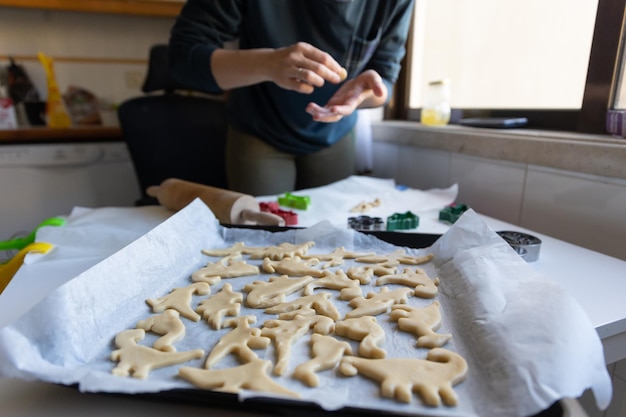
<point x="173" y="135"/>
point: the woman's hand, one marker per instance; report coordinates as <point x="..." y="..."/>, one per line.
<point x="302" y="67"/>
<point x="366" y="90"/>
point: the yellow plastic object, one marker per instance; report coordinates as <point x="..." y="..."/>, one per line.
<point x="8" y="270"/>
<point x="56" y="111"/>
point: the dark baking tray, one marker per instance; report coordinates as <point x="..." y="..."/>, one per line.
<point x="285" y="407"/>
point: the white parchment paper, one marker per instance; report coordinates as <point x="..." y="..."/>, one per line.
<point x="527" y="342"/>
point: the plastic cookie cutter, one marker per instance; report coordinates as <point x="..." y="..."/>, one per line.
<point x="452" y="212"/>
<point x="366" y="223"/>
<point x="527" y="246"/>
<point x="8" y="270"/>
<point x="21" y="242"/>
<point x="290" y="217"/>
<point x="299" y="202"/>
<point x="402" y="221"/>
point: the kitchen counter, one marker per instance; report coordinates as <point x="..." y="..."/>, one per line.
<point x="49" y="135"/>
<point x="569" y="265"/>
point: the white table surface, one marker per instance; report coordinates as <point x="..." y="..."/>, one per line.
<point x="597" y="281"/>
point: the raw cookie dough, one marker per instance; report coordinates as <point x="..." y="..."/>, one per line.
<point x="293" y="267"/>
<point x="278" y="252"/>
<point x="336" y="257"/>
<point x="326" y="352"/>
<point x="378" y="303"/>
<point x="263" y="294"/>
<point x="421" y="322"/>
<point x="252" y="375"/>
<point x="432" y="379"/>
<point x="140" y="360"/>
<point x="319" y="303"/>
<point x="366" y="330"/>
<point x="364" y="274"/>
<point x="179" y="299"/>
<point x="169" y="325"/>
<point x="421" y="283"/>
<point x="229" y="267"/>
<point x="333" y="280"/>
<point x="225" y="302"/>
<point x="239" y="341"/>
<point x="285" y="332"/>
<point x="364" y="207"/>
<point x="397" y="257"/>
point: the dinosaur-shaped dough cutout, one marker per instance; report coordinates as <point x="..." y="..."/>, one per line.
<point x="167" y="324"/>
<point x="332" y="280"/>
<point x="417" y="279"/>
<point x="251" y="376"/>
<point x="378" y="303"/>
<point x="432" y="378"/>
<point x="139" y="360"/>
<point x="225" y="302"/>
<point x="286" y="332"/>
<point x="320" y="303"/>
<point x="364" y="274"/>
<point x="326" y="352"/>
<point x="240" y="341"/>
<point x="284" y="250"/>
<point x="421" y="322"/>
<point x="263" y="294"/>
<point x="179" y="299"/>
<point x="399" y="256"/>
<point x="336" y="257"/>
<point x="366" y="330"/>
<point x="228" y="267"/>
<point x="293" y="267"/>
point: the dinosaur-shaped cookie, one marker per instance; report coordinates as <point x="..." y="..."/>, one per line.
<point x="252" y="376"/>
<point x="421" y="322"/>
<point x="169" y="325"/>
<point x="399" y="256"/>
<point x="366" y="330"/>
<point x="378" y="303"/>
<point x="179" y="299"/>
<point x="319" y="303"/>
<point x="293" y="267"/>
<point x="229" y="267"/>
<point x="432" y="378"/>
<point x="326" y="352"/>
<point x="286" y="332"/>
<point x="139" y="360"/>
<point x="239" y="341"/>
<point x="225" y="302"/>
<point x="263" y="294"/>
<point x="417" y="279"/>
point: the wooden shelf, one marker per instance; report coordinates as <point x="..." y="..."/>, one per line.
<point x="73" y="134"/>
<point x="159" y="8"/>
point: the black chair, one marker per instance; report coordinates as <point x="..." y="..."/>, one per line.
<point x="173" y="134"/>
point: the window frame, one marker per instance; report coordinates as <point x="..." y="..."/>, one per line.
<point x="600" y="86"/>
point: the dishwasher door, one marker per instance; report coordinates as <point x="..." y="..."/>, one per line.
<point x="45" y="180"/>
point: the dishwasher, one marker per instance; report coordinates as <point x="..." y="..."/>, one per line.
<point x="39" y="181"/>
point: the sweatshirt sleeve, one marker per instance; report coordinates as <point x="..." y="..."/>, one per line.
<point x="202" y="27"/>
<point x="388" y="56"/>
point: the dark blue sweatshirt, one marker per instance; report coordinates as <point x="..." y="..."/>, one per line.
<point x="359" y="34"/>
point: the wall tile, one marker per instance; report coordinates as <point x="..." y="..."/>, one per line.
<point x="583" y="209"/>
<point x="490" y="187"/>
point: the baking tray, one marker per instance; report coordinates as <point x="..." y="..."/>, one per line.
<point x="285" y="407"/>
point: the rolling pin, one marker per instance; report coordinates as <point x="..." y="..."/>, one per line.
<point x="228" y="206"/>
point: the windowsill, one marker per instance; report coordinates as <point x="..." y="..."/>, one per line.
<point x="601" y="155"/>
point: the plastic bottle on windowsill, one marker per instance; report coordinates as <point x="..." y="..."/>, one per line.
<point x="436" y="110"/>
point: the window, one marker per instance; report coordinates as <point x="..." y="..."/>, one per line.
<point x="552" y="61"/>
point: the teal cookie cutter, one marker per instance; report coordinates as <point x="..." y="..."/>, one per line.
<point x="452" y="212"/>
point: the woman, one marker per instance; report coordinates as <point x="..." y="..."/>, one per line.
<point x="302" y="69"/>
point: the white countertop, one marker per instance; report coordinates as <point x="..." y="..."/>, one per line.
<point x="597" y="281"/>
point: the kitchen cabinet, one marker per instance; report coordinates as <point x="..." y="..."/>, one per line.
<point x="162" y="8"/>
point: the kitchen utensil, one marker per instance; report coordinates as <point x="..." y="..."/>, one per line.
<point x="21" y="242"/>
<point x="229" y="207"/>
<point x="8" y="270"/>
